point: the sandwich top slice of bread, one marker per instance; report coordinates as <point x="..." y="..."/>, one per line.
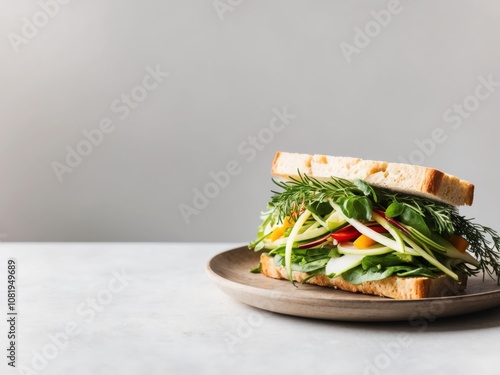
<point x="403" y="178"/>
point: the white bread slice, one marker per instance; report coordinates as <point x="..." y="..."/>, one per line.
<point x="392" y="287"/>
<point x="404" y="178"/>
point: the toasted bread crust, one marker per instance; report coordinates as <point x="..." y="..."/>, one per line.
<point x="392" y="287"/>
<point x="404" y="178"/>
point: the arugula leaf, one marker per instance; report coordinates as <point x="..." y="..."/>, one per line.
<point x="311" y="261"/>
<point x="414" y="219"/>
<point x="358" y="275"/>
<point x="366" y="189"/>
<point x="257" y="269"/>
<point x="356" y="207"/>
<point x="383" y="261"/>
<point x="334" y="253"/>
<point x="378" y="267"/>
<point x="319" y="208"/>
<point x="395" y="209"/>
<point x="310" y="266"/>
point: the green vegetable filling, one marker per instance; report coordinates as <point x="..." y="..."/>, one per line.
<point x="417" y="230"/>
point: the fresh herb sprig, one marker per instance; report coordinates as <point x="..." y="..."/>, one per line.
<point x="483" y="241"/>
<point x="358" y="196"/>
<point x="308" y="192"/>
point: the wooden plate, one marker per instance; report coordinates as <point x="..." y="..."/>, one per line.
<point x="230" y="272"/>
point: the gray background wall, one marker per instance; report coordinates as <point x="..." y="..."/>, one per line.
<point x="66" y="73"/>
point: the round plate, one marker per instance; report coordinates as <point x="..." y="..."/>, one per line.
<point x="230" y="272"/>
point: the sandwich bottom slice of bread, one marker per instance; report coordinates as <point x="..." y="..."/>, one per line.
<point x="392" y="287"/>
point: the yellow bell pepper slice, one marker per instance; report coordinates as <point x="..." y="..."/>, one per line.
<point x="363" y="242"/>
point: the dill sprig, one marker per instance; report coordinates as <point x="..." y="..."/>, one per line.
<point x="484" y="243"/>
<point x="442" y="218"/>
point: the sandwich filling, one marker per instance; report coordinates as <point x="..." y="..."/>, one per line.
<point x="361" y="233"/>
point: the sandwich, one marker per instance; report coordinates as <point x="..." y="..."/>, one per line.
<point x="372" y="227"/>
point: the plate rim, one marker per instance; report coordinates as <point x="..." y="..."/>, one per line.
<point x="228" y="286"/>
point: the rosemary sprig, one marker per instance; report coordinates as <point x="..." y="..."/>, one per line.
<point x="442" y="218"/>
<point x="306" y="191"/>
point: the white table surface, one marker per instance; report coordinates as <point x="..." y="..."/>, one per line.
<point x="163" y="315"/>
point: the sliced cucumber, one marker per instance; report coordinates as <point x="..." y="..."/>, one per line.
<point x="291" y="239"/>
<point x="312" y="227"/>
<point x="337" y="266"/>
<point x="335" y="220"/>
<point x="422" y="239"/>
<point x="315" y="233"/>
<point x="452" y="252"/>
<point x="466" y="257"/>
<point x="432" y="260"/>
<point x="349" y="248"/>
<point x="393" y="231"/>
<point x="320" y="221"/>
